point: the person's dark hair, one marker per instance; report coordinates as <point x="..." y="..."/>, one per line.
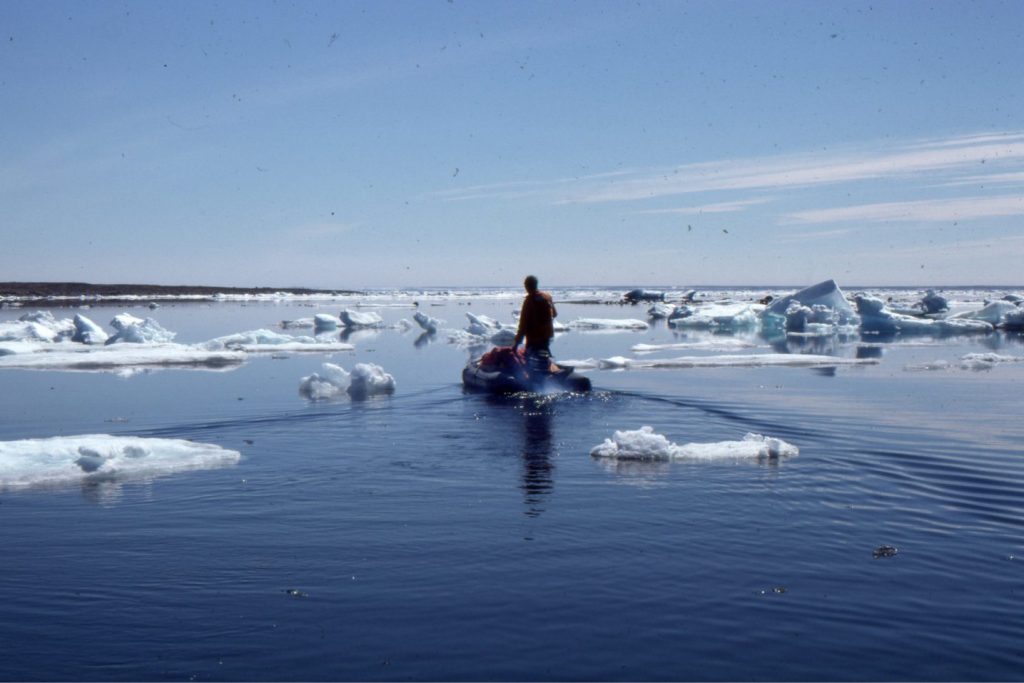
<point x="530" y="283"/>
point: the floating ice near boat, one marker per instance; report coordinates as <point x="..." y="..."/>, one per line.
<point x="646" y="444"/>
<point x="608" y="324"/>
<point x="262" y="340"/>
<point x="795" y="360"/>
<point x="366" y="379"/>
<point x="490" y="330"/>
<point x="100" y="457"/>
<point x="355" y="319"/>
<point x="875" y="317"/>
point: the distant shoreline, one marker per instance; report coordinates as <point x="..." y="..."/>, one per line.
<point x="46" y="290"/>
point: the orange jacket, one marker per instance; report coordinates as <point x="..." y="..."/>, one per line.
<point x="535" y="318"/>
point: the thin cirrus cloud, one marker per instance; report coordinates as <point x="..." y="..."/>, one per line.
<point x="961" y="208"/>
<point x="909" y="160"/>
<point x="720" y="207"/>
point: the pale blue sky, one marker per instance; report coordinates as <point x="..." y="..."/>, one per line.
<point x="378" y="144"/>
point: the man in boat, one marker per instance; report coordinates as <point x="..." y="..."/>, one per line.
<point x="536" y="326"/>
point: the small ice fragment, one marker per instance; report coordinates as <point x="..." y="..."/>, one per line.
<point x="608" y="324"/>
<point x="333" y="381"/>
<point x="323" y="322"/>
<point x="88" y="332"/>
<point x="368" y="379"/>
<point x="426" y="322"/>
<point x="645" y="444"/>
<point x="356" y="319"/>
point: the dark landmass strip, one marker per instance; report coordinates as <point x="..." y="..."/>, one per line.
<point x="43" y="290"/>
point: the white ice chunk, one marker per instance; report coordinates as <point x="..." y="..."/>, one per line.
<point x="1014" y="320"/>
<point x="86" y="358"/>
<point x="100" y="457"/>
<point x="645" y="444"/>
<point x="825" y="294"/>
<point x="933" y="303"/>
<point x="718" y="316"/>
<point x="39" y="326"/>
<point x="992" y="313"/>
<point x="369" y="379"/>
<point x="330" y="381"/>
<point x="298" y="323"/>
<point x="355" y="319"/>
<point x="263" y="340"/>
<point x="608" y="324"/>
<point x="323" y="322"/>
<point x="482" y="326"/>
<point x="875" y="317"/>
<point x="133" y="330"/>
<point x="88" y="332"/>
<point x="796" y="360"/>
<point x="661" y="310"/>
<point x="430" y="325"/>
<point x="722" y="343"/>
<point x="366" y="379"/>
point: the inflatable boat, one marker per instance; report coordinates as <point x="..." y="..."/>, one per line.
<point x="503" y="371"/>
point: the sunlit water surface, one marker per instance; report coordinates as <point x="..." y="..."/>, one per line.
<point x="436" y="534"/>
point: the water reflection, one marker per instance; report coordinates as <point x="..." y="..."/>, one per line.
<point x="538" y="469"/>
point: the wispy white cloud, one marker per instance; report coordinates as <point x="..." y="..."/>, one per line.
<point x="989" y="179"/>
<point x="720" y="207"/>
<point x="927" y="157"/>
<point x="961" y="208"/>
<point x="944" y="159"/>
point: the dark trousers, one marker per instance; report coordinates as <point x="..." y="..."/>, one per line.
<point x="538" y="357"/>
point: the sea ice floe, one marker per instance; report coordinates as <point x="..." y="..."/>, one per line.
<point x="646" y="444"/>
<point x="366" y="379"/>
<point x="608" y="324"/>
<point x="717" y="316"/>
<point x="797" y="360"/>
<point x="100" y="457"/>
<point x="79" y="357"/>
<point x="429" y="325"/>
<point x="356" y="319"/>
<point x="134" y="330"/>
<point x="994" y="313"/>
<point x="661" y="310"/>
<point x="88" y="332"/>
<point x="298" y="323"/>
<point x="876" y="317"/>
<point x="38" y="326"/>
<point x="489" y="330"/>
<point x="826" y="294"/>
<point x="263" y="340"/>
<point x="323" y="322"/>
<point x="970" y="361"/>
<point x="713" y="343"/>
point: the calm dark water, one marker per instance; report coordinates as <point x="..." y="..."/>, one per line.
<point x="435" y="534"/>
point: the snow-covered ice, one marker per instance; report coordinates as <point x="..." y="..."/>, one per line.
<point x="646" y="444"/>
<point x="721" y="343"/>
<point x="263" y="340"/>
<point x="796" y="360"/>
<point x="134" y="330"/>
<point x="876" y="317"/>
<point x="429" y="325"/>
<point x="79" y="357"/>
<point x="357" y="319"/>
<point x="100" y="457"/>
<point x="88" y="332"/>
<point x="608" y="324"/>
<point x="324" y="322"/>
<point x="826" y="294"/>
<point x="366" y="379"/>
<point x="717" y="316"/>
